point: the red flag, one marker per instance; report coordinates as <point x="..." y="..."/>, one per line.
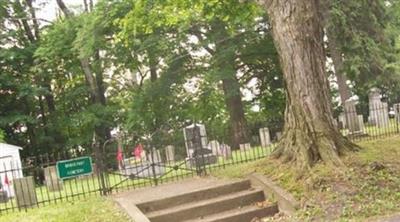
<point x="138" y="151"/>
<point x="119" y="154"/>
<point x="6" y="181"/>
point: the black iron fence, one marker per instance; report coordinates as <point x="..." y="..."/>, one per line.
<point x="36" y="181"/>
<point x="380" y="122"/>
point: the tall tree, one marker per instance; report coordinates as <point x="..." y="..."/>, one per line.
<point x="309" y="133"/>
<point x="90" y="65"/>
<point x="358" y="41"/>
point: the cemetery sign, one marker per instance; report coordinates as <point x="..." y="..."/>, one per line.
<point x="74" y="167"/>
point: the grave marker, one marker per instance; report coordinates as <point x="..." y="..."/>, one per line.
<point x="352" y="119"/>
<point x="170" y="153"/>
<point x="378" y="110"/>
<point x="396" y="108"/>
<point x="154" y="156"/>
<point x="278" y="135"/>
<point x="245" y="147"/>
<point x="215" y="147"/>
<point x="25" y="192"/>
<point x="226" y="151"/>
<point x="51" y="179"/>
<point x="265" y="137"/>
<point x="198" y="152"/>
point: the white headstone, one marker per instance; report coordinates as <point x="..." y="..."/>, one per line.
<point x="396" y="108"/>
<point x="278" y="135"/>
<point x="245" y="147"/>
<point x="25" y="192"/>
<point x="352" y="119"/>
<point x="265" y="137"/>
<point x="342" y="120"/>
<point x="215" y="147"/>
<point x="154" y="156"/>
<point x="170" y="153"/>
<point x="378" y="110"/>
<point x="361" y="122"/>
<point x="226" y="151"/>
<point x="195" y="138"/>
<point x="52" y="181"/>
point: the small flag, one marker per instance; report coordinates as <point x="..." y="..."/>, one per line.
<point x="138" y="151"/>
<point x="119" y="154"/>
<point x="6" y="181"/>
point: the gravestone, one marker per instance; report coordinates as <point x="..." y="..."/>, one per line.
<point x="361" y="122"/>
<point x="396" y="108"/>
<point x="278" y="135"/>
<point x="245" y="147"/>
<point x="215" y="147"/>
<point x="195" y="138"/>
<point x="265" y="137"/>
<point x="384" y="116"/>
<point x="352" y="119"/>
<point x="226" y="151"/>
<point x="198" y="152"/>
<point x="378" y="110"/>
<point x="25" y="192"/>
<point x="154" y="156"/>
<point x="342" y="121"/>
<point x="170" y="153"/>
<point x="51" y="179"/>
<point x="143" y="169"/>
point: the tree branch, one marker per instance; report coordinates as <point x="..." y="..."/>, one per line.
<point x="64" y="8"/>
<point x="198" y="34"/>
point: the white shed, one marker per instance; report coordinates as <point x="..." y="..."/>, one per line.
<point x="10" y="166"/>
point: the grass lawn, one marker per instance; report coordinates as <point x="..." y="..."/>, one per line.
<point x="369" y="187"/>
<point x="93" y="209"/>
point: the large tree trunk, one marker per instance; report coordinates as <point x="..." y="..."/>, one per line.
<point x="337" y="59"/>
<point x="309" y="132"/>
<point x="225" y="61"/>
<point x="233" y="101"/>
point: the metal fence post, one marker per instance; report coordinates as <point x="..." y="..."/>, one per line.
<point x="153" y="164"/>
<point x="100" y="167"/>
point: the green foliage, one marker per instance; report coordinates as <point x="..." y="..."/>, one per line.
<point x="161" y="65"/>
<point x="365" y="33"/>
<point x="1" y="136"/>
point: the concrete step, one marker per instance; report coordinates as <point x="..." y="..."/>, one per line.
<point x="197" y="195"/>
<point x="243" y="214"/>
<point x="207" y="207"/>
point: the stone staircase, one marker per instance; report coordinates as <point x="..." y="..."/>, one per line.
<point x="230" y="202"/>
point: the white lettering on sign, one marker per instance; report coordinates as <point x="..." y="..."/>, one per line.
<point x="74" y="164"/>
<point x="73" y="172"/>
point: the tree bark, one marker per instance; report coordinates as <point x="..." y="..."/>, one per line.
<point x="309" y="133"/>
<point x="233" y="99"/>
<point x="34" y="20"/>
<point x="64" y="8"/>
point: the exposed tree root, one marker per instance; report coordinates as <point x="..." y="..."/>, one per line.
<point x="304" y="150"/>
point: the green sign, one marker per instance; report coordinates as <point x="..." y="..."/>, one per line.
<point x="74" y="167"/>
